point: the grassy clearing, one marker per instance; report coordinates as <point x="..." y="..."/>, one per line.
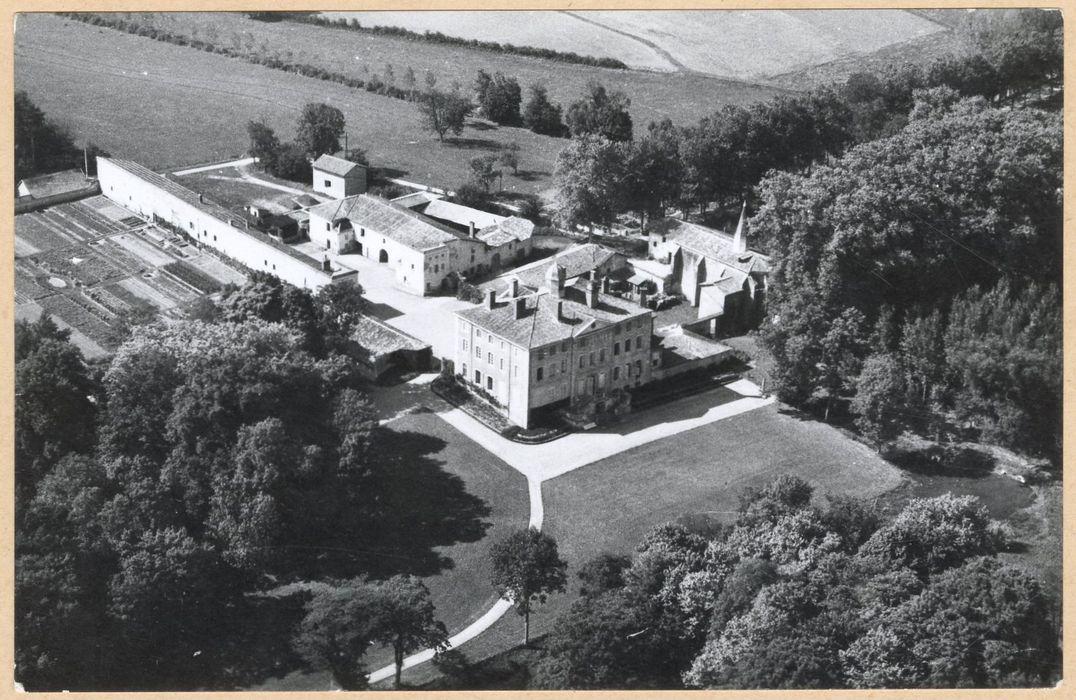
<point x="167" y="106"/>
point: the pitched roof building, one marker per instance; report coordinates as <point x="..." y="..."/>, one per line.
<point x="338" y="177"/>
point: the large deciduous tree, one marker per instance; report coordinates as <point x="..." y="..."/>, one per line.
<point x="337" y="630"/>
<point x="600" y="113"/>
<point x="540" y="115"/>
<point x="526" y="569"/>
<point x="444" y="112"/>
<point x="320" y="128"/>
<point x="589" y="178"/>
<point x="404" y="618"/>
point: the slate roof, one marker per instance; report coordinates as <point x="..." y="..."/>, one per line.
<point x="335" y="166"/>
<point x="460" y="215"/>
<point x="415" y="199"/>
<point x="388" y="219"/>
<point x="511" y="229"/>
<point x="56" y="183"/>
<point x="379" y="338"/>
<point x="539" y="324"/>
<point x="711" y="243"/>
<point x="577" y="260"/>
<point x="679" y="346"/>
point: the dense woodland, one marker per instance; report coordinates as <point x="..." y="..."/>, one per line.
<point x="797" y="594"/>
<point x="163" y="496"/>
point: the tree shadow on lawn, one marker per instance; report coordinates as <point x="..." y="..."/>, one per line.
<point x="531" y="175"/>
<point x="423" y="507"/>
<point x="381" y="172"/>
<point x="473" y="143"/>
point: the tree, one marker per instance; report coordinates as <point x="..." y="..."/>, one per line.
<point x="878" y="401"/>
<point x="526" y="569"/>
<point x="41" y="146"/>
<point x="264" y="145"/>
<point x="337" y="629"/>
<point x="499" y="98"/>
<point x="471" y="194"/>
<point x="654" y="171"/>
<point x="540" y="115"/>
<point x="510" y="157"/>
<point x="588" y="179"/>
<point x="403" y="618"/>
<point x="443" y="112"/>
<point x="292" y="163"/>
<point x="600" y="113"/>
<point x="409" y="83"/>
<point x="54" y="409"/>
<point x="483" y="171"/>
<point x="934" y="534"/>
<point x="320" y="128"/>
<point x="604" y="572"/>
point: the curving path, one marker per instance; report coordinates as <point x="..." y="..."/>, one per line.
<point x="540" y="463"/>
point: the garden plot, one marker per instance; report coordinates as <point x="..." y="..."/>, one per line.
<point x="24" y="248"/>
<point x="84" y="218"/>
<point x="90" y="349"/>
<point x="142" y="290"/>
<point x="110" y="210"/>
<point x="78" y="263"/>
<point x="143" y="250"/>
<point x="79" y="315"/>
<point x="41" y="232"/>
<point x="218" y="270"/>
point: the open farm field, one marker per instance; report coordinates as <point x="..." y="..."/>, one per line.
<point x="754" y="45"/>
<point x="559" y="31"/>
<point x="733" y="44"/>
<point x="165" y="106"/>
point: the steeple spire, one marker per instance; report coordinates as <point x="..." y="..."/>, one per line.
<point x="739" y="240"/>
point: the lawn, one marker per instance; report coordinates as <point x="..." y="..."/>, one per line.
<point x="461" y="590"/>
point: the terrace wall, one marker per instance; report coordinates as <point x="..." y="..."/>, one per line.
<point x="148" y="200"/>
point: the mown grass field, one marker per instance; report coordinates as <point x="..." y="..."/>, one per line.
<point x="682" y="97"/>
<point x="167" y="106"/>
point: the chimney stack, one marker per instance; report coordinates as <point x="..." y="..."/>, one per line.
<point x="491" y="298"/>
<point x="514" y="287"/>
<point x="739" y="239"/>
<point x="470" y="229"/>
<point x="520" y="306"/>
<point x="201" y="198"/>
<point x="560" y="310"/>
<point x="325" y="266"/>
<point x="643" y="297"/>
<point x="605" y="284"/>
<point x="592" y="293"/>
<point x="554" y="279"/>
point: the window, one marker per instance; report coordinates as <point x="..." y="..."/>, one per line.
<point x="477" y="351"/>
<point x="591" y="359"/>
<point x="502" y="363"/>
<point x="412" y="266"/>
<point x="563" y="366"/>
<point x="582" y="361"/>
<point x="564" y="347"/>
<point x="638" y="367"/>
<point x="477" y="377"/>
<point x="192" y="226"/>
<point x="464" y="373"/>
<point x="538" y="374"/>
<point x="638" y="342"/>
<point x="616" y="348"/>
<point x="328" y="183"/>
<point x="489" y="383"/>
<point x="552" y="350"/>
<point x="616" y="329"/>
<point x="489" y="358"/>
<point x="463" y="343"/>
<point x="616" y="373"/>
<point x="601" y="355"/>
<point x="328" y="226"/>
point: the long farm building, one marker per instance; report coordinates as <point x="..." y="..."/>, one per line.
<point x="210" y="225"/>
